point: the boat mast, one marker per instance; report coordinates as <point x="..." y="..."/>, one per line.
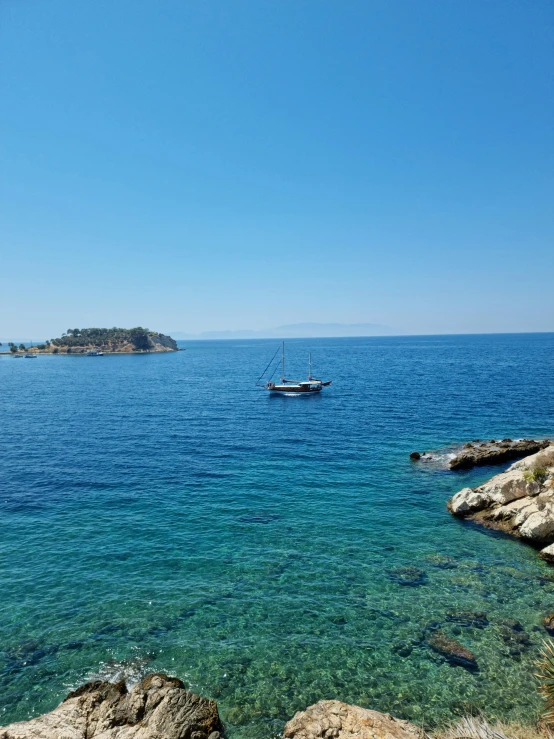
<point x="283" y="360"/>
<point x="309" y="366"/>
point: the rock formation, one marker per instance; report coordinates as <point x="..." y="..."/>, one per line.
<point x="479" y="454"/>
<point x="158" y="707"/>
<point x="336" y="720"/>
<point x="519" y="501"/>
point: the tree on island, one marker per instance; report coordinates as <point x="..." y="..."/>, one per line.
<point x="139" y="338"/>
<point x="22" y="347"/>
<point x="13" y="347"/>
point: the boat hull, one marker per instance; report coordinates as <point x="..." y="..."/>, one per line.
<point x="296" y="389"/>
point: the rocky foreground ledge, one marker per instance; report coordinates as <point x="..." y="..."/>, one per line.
<point x="336" y="720"/>
<point x="519" y="501"/>
<point x="159" y="707"/>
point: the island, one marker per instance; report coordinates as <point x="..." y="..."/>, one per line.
<point x="136" y="340"/>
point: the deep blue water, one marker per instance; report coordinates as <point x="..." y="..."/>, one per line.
<point x="160" y="512"/>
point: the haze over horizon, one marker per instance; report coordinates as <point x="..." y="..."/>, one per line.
<point x="239" y="167"/>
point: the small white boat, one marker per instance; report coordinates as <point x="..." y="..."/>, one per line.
<point x="95" y="353"/>
<point x="30" y="356"/>
<point x="311" y="385"/>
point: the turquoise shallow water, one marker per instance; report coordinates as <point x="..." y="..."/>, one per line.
<point x="161" y="513"/>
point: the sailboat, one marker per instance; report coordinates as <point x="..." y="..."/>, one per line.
<point x="311" y="385"/>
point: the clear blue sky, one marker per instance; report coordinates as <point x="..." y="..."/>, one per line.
<point x="242" y="164"/>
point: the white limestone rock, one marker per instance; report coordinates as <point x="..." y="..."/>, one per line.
<point x="336" y="720"/>
<point x="520" y="500"/>
<point x="467" y="501"/>
<point x="547" y="553"/>
<point x="539" y="526"/>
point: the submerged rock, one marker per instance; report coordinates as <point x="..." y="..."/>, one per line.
<point x="478" y="619"/>
<point x="451" y="650"/>
<point x="442" y="561"/>
<point x="403" y="649"/>
<point x="336" y="720"/>
<point x="511" y="623"/>
<point x="514" y="636"/>
<point x="415" y="456"/>
<point x="495" y="452"/>
<point x="159" y="706"/>
<point x="410" y="576"/>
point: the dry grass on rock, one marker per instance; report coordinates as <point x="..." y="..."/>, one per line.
<point x="476" y="727"/>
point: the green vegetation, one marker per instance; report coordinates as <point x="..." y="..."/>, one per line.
<point x="105" y="338"/>
<point x="537" y="474"/>
<point x="539" y="470"/>
<point x="13" y="347"/>
<point x="22" y="347"/>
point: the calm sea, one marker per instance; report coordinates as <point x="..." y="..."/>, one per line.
<point x="161" y="513"/>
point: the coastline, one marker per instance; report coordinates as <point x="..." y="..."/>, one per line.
<point x="83" y="352"/>
<point x="518" y="501"/>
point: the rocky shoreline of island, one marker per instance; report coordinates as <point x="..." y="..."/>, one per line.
<point x="99" y="341"/>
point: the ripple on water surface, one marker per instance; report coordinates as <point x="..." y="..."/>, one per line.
<point x="163" y="514"/>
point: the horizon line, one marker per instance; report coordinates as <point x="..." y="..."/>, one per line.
<point x="367" y="336"/>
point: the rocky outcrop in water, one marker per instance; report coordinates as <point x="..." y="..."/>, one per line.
<point x="519" y="501"/>
<point x="336" y="720"/>
<point x="479" y="454"/>
<point x="158" y="707"/>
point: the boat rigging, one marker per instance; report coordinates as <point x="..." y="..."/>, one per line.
<point x="311" y="385"/>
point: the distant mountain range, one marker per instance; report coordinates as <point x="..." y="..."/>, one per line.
<point x="297" y="331"/>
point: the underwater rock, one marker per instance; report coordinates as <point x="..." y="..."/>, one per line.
<point x="452" y="650"/>
<point x="403" y="649"/>
<point x="410" y="576"/>
<point x="495" y="452"/>
<point x="511" y="623"/>
<point x="478" y="619"/>
<point x="514" y="636"/>
<point x="159" y="706"/>
<point x="442" y="561"/>
<point x="336" y="720"/>
<point x="24" y="654"/>
<point x="415" y="456"/>
<point x="548" y="623"/>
